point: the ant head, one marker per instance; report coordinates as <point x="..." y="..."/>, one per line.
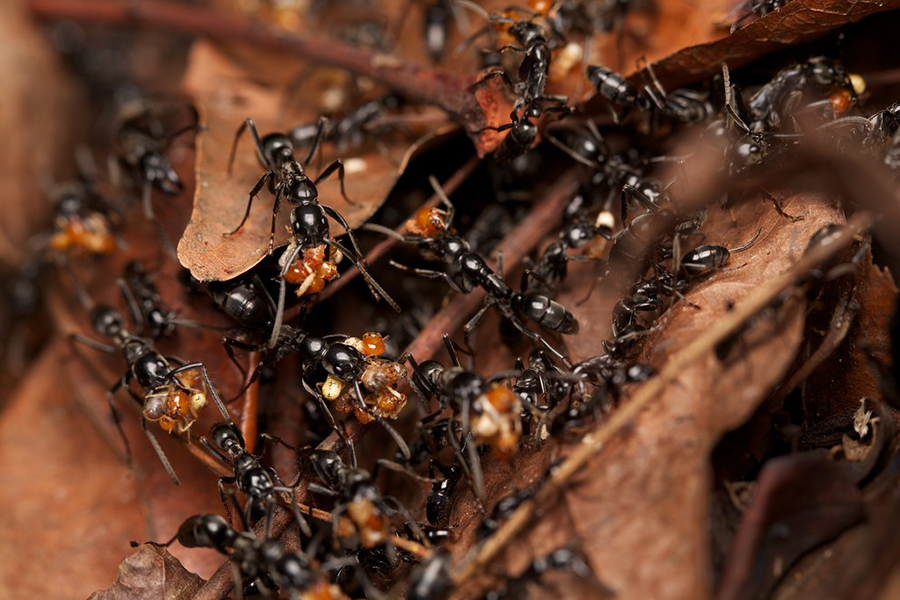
<point x="467" y="386"/>
<point x="749" y="150"/>
<point x="277" y="148"/>
<point x="526" y="32"/>
<point x="226" y="436"/>
<point x="107" y="321"/>
<point x="157" y="169"/>
<point x="326" y="464"/>
<point x="69" y="205"/>
<point x="205" y="531"/>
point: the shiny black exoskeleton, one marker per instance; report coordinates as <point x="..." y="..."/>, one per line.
<point x="260" y="485"/>
<point x="754" y="9"/>
<point x="502" y="511"/>
<point x="680" y="106"/>
<point x="351" y="130"/>
<point x="145" y="303"/>
<point x="541" y="380"/>
<point x="466" y="270"/>
<point x="563" y="558"/>
<point x="551" y="267"/>
<point x="309" y="220"/>
<point x="152" y="371"/>
<point x="772" y="103"/>
<point x="141" y="146"/>
<point x="431" y="580"/>
<point x="262" y="561"/>
<point x="439" y="502"/>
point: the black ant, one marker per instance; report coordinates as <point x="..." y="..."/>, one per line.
<point x="753" y="9"/>
<point x="681" y="106"/>
<point x="349" y="131"/>
<point x="524" y="130"/>
<point x="542" y="379"/>
<point x="560" y="559"/>
<point x="141" y="146"/>
<point x="440" y="498"/>
<point x="466" y="270"/>
<point x="358" y="381"/>
<point x="551" y="267"/>
<point x="769" y="105"/>
<point x="367" y="510"/>
<point x="145" y="303"/>
<point x="264" y="561"/>
<point x="168" y="397"/>
<point x="258" y="484"/>
<point x="309" y="219"/>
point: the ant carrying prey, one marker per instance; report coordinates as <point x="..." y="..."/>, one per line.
<point x="310" y="231"/>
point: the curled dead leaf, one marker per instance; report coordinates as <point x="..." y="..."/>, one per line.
<point x="151" y="572"/>
<point x="220" y="199"/>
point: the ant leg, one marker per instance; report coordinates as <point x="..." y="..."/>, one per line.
<point x="130" y="302"/>
<point x="427" y="273"/>
<point x="343" y="223"/>
<point x="398" y="468"/>
<point x="493" y="75"/>
<point x="471" y="325"/>
<point x="406" y="239"/>
<point x="337" y="165"/>
<point x="77" y="337"/>
<point x="212" y="390"/>
<point x="282" y="290"/>
<point x="117" y="418"/>
<point x="260" y="153"/>
<point x="451" y="349"/>
<point x="147" y="202"/>
<point x="320" y="134"/>
<point x="374" y="287"/>
<point x="159" y="452"/>
<point x="224" y="496"/>
<point x="778" y="207"/>
<point x="401" y="443"/>
<point x="253" y="193"/>
<point x="536" y="337"/>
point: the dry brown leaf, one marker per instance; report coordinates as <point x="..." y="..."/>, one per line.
<point x="653" y="483"/>
<point x="67" y="506"/>
<point x="151" y="573"/>
<point x="802" y="500"/>
<point x="798" y="21"/>
<point x="836" y="387"/>
<point x="226" y="97"/>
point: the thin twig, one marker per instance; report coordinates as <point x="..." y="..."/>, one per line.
<point x="385" y="245"/>
<point x="705" y="343"/>
<point x="250" y="407"/>
<point x="518" y="242"/>
<point x="449" y="91"/>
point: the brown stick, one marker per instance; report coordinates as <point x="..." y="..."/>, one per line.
<point x="385" y="245"/>
<point x="594" y="442"/>
<point x="424" y="84"/>
<point x="250" y="407"/>
<point x="518" y="242"/>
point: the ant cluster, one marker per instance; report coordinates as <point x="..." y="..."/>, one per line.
<point x="623" y="222"/>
